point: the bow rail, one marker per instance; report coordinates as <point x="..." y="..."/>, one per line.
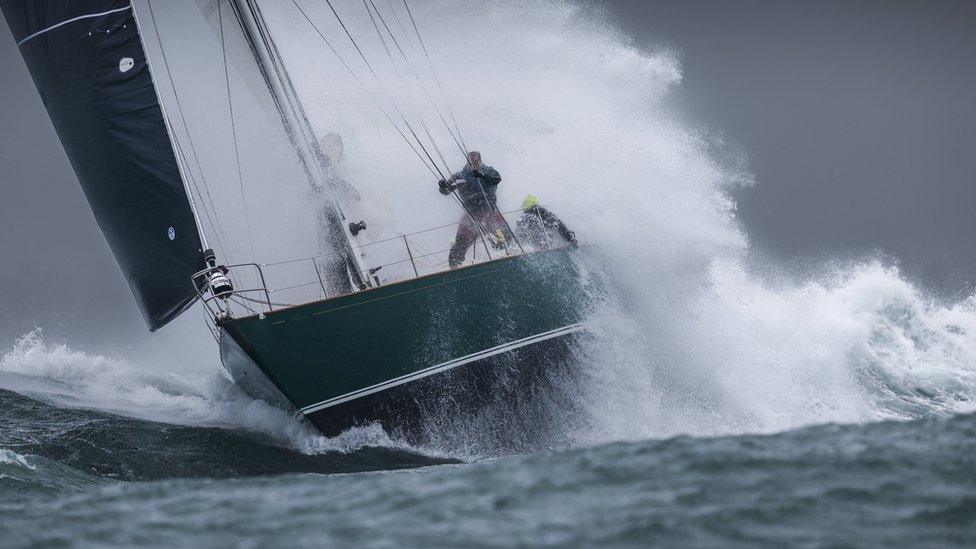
<point x="271" y="286"/>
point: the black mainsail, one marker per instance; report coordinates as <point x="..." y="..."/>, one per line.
<point x="88" y="62"/>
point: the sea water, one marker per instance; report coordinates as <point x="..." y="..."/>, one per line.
<point x="719" y="398"/>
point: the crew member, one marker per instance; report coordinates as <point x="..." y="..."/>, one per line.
<point x="334" y="259"/>
<point x="541" y="227"/>
<point x="476" y="186"/>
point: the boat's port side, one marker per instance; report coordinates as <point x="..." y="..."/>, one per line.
<point x="366" y="356"/>
<point x="249" y="376"/>
<point x="408" y="408"/>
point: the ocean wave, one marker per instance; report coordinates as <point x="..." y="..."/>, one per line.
<point x="59" y="375"/>
<point x="9" y="457"/>
<point x="54" y="448"/>
<point x="694" y="333"/>
<point x="907" y="483"/>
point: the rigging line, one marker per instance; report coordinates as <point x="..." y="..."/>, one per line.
<point x="482" y="231"/>
<point x="393" y="62"/>
<point x="379" y="81"/>
<point x="380" y="34"/>
<point x="295" y="119"/>
<point x="479" y="226"/>
<point x="263" y="302"/>
<point x="403" y="30"/>
<point x="220" y="242"/>
<point x="291" y="96"/>
<point x="463" y="148"/>
<point x="451" y="112"/>
<point x="436" y="148"/>
<point x="233" y="126"/>
<point x="242" y="304"/>
<point x="280" y="100"/>
<point x="366" y="89"/>
<point x="207" y="321"/>
<point x="382" y="87"/>
<point x="434" y="73"/>
<point x="416" y="75"/>
<point x="218" y="229"/>
<point x="407" y="124"/>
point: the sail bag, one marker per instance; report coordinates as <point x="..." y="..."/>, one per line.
<point x="87" y="60"/>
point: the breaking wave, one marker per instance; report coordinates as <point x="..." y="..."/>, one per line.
<point x="750" y="356"/>
<point x="58" y="375"/>
<point x="696" y="332"/>
<point x="72" y="419"/>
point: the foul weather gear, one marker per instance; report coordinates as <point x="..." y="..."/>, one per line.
<point x="476" y="186"/>
<point x="539" y="226"/>
<point x="468" y="231"/>
<point x="529" y="202"/>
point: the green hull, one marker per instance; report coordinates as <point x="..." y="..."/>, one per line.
<point x="329" y="358"/>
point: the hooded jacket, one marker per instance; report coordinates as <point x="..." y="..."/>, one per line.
<point x="540" y="226"/>
<point x="477" y="190"/>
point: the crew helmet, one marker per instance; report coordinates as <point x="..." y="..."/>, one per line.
<point x="529" y="202"/>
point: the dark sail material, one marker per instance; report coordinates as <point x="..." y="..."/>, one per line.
<point x="89" y="65"/>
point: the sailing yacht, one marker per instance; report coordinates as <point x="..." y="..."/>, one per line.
<point x="398" y="337"/>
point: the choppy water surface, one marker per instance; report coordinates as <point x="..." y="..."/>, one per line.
<point x="719" y="399"/>
<point x="100" y="451"/>
<point x="89" y="477"/>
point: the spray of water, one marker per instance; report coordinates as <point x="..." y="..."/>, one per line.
<point x="59" y="375"/>
<point x="687" y="337"/>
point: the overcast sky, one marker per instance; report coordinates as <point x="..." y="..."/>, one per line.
<point x="858" y="118"/>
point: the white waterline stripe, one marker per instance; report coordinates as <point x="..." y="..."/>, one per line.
<point x="505" y="347"/>
<point x="440" y="368"/>
<point x="72" y="20"/>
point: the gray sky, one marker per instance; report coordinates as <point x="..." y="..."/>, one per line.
<point x="858" y="118"/>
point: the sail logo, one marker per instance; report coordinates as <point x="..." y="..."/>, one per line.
<point x="171" y="233"/>
<point x="126" y="64"/>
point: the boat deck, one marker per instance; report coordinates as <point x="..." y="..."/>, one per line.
<point x="265" y="288"/>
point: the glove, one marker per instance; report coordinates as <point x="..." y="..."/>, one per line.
<point x="444" y="186"/>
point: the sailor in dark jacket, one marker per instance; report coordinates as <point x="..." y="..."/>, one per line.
<point x="540" y="226"/>
<point x="476" y="186"/>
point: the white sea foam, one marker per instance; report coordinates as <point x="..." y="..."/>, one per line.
<point x="59" y="375"/>
<point x="747" y="356"/>
<point x="691" y="337"/>
<point x="9" y="457"/>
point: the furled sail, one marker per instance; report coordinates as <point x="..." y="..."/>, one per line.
<point x="88" y="62"/>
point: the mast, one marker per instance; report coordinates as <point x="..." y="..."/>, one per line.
<point x="297" y="126"/>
